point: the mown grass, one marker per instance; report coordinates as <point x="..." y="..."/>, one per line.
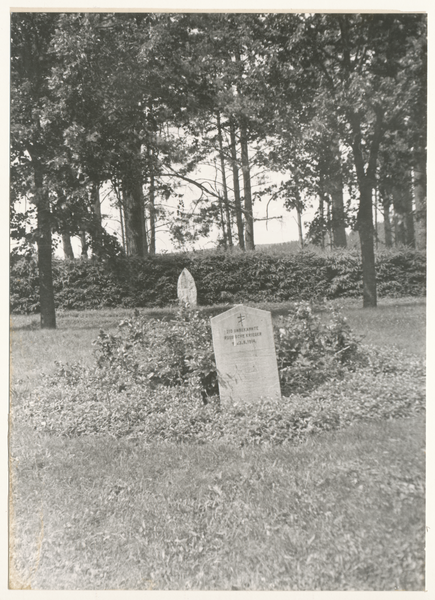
<point x="395" y="322"/>
<point x="342" y="511"/>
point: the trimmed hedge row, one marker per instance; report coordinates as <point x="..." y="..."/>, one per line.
<point x="237" y="277"/>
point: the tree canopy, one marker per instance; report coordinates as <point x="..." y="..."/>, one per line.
<point x="143" y="102"/>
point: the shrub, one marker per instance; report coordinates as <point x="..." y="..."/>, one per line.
<point x="180" y="351"/>
<point x="160" y="352"/>
<point x="151" y="379"/>
<point x="24" y="286"/>
<point x="310" y="350"/>
<point x="237" y="277"/>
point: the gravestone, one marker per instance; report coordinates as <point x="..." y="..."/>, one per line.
<point x="245" y="356"/>
<point x="186" y="288"/>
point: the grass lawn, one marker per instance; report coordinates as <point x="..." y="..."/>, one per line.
<point x="342" y="511"/>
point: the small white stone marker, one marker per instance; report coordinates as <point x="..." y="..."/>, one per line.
<point x="245" y="355"/>
<point x="186" y="288"/>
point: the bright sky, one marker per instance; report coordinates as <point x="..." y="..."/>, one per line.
<point x="273" y="231"/>
<point x="281" y="226"/>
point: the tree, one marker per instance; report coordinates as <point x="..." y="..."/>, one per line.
<point x="35" y="136"/>
<point x="97" y="85"/>
<point x="361" y="69"/>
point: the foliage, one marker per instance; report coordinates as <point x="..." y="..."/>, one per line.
<point x="154" y="352"/>
<point x="166" y="492"/>
<point x="24" y="285"/>
<point x="220" y="277"/>
<point x="157" y="379"/>
<point x="310" y="350"/>
<point x="170" y="353"/>
<point x="79" y="400"/>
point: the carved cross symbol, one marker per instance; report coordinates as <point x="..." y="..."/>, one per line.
<point x="241" y="319"/>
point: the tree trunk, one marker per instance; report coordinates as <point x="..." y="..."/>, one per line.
<point x="67" y="247"/>
<point x="420" y="199"/>
<point x="84" y="244"/>
<point x="409" y="224"/>
<point x="365" y="230"/>
<point x="96" y="234"/>
<point x="133" y="200"/>
<point x="299" y="206"/>
<point x="229" y="235"/>
<point x="249" y="217"/>
<point x="322" y="221"/>
<point x="366" y="182"/>
<point x="336" y="188"/>
<point x="121" y="221"/>
<point x="388" y="230"/>
<point x="46" y="292"/>
<point x="300" y="228"/>
<point x="152" y="204"/>
<point x="133" y="206"/>
<point x="403" y="213"/>
<point x="221" y="214"/>
<point x="237" y="200"/>
<point x="376" y="218"/>
<point x="329" y="225"/>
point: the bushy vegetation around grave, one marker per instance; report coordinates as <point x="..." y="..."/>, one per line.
<point x="157" y="379"/>
<point x="220" y="277"/>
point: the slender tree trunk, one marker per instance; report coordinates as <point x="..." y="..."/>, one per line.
<point x="249" y="217"/>
<point x="336" y="185"/>
<point x="152" y="203"/>
<point x="409" y="210"/>
<point x="329" y="227"/>
<point x="300" y="227"/>
<point x="376" y="218"/>
<point x="388" y="230"/>
<point x="44" y="241"/>
<point x="237" y="200"/>
<point x="409" y="224"/>
<point x="121" y="221"/>
<point x="67" y="247"/>
<point x="420" y="198"/>
<point x="133" y="203"/>
<point x="399" y="229"/>
<point x="97" y="235"/>
<point x="366" y="182"/>
<point x="84" y="244"/>
<point x="403" y="219"/>
<point x="229" y="235"/>
<point x="223" y="228"/>
<point x="322" y="221"/>
<point x="144" y="226"/>
<point x="298" y="206"/>
<point x="365" y="230"/>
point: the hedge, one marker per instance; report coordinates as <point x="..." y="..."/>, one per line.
<point x="220" y="277"/>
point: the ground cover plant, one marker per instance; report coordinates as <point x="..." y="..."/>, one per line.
<point x="280" y="497"/>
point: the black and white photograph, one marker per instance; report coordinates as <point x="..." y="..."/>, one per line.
<point x="217" y="300"/>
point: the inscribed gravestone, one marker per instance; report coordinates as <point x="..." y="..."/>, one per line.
<point x="186" y="288"/>
<point x="245" y="356"/>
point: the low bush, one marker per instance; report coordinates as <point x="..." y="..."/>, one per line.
<point x="311" y="350"/>
<point x="238" y="277"/>
<point x="24" y="286"/>
<point x="155" y="352"/>
<point x="151" y="380"/>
